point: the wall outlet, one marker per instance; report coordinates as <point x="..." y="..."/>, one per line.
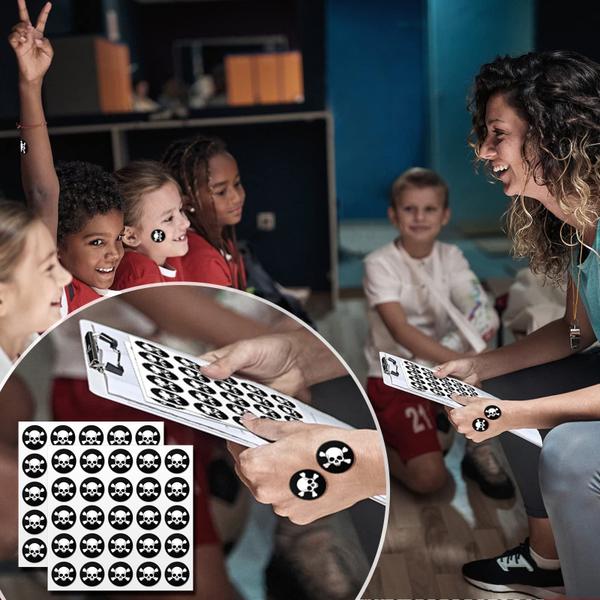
<point x="265" y="221"/>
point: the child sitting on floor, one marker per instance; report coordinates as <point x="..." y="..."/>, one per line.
<point x="155" y="225"/>
<point x="408" y="319"/>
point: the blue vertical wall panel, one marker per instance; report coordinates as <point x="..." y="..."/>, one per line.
<point x="463" y="35"/>
<point x="376" y="87"/>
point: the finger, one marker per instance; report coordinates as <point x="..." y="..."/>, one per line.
<point x="229" y="360"/>
<point x="20" y="27"/>
<point x="43" y="17"/>
<point x="443" y="370"/>
<point x="14" y="39"/>
<point x="235" y="449"/>
<point x="243" y="478"/>
<point x="23" y="14"/>
<point x="269" y="429"/>
<point x="464" y="400"/>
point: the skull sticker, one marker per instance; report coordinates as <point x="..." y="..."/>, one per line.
<point x="177" y="545"/>
<point x="177" y="461"/>
<point x="63" y="574"/>
<point x="177" y="489"/>
<point x="63" y="489"/>
<point x="91" y="461"/>
<point x="120" y="461"/>
<point x="92" y="545"/>
<point x="177" y="574"/>
<point x="148" y="489"/>
<point x="63" y="461"/>
<point x="177" y="517"/>
<point x="335" y="457"/>
<point x="34" y="521"/>
<point x="148" y="573"/>
<point x="151" y="348"/>
<point x="34" y="437"/>
<point x="92" y="574"/>
<point x="148" y="461"/>
<point x="148" y="545"/>
<point x="120" y="489"/>
<point x="492" y="412"/>
<point x="34" y="466"/>
<point x="91" y="518"/>
<point x="63" y="517"/>
<point x="34" y="494"/>
<point x="148" y="518"/>
<point x="63" y="545"/>
<point x="119" y="436"/>
<point x="480" y="424"/>
<point x="120" y="517"/>
<point x="62" y="436"/>
<point x="91" y="435"/>
<point x="34" y="550"/>
<point x="120" y="545"/>
<point x="147" y="436"/>
<point x="120" y="574"/>
<point x="91" y="489"/>
<point x="307" y="485"/>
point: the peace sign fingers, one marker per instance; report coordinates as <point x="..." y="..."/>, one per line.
<point x="23" y="14"/>
<point x="42" y="17"/>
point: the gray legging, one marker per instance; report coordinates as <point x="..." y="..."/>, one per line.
<point x="568" y="468"/>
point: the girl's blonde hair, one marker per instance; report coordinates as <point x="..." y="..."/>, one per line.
<point x="558" y="95"/>
<point x="136" y="179"/>
<point x="16" y="220"/>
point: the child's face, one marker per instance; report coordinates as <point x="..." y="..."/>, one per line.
<point x="162" y="209"/>
<point x="32" y="296"/>
<point x="227" y="191"/>
<point x="94" y="253"/>
<point x="419" y="214"/>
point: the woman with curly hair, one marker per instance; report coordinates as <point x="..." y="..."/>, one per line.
<point x="536" y="126"/>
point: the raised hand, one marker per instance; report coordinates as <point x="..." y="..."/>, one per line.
<point x="465" y="369"/>
<point x="33" y="50"/>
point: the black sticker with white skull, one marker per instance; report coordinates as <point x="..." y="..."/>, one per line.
<point x="34" y="550"/>
<point x="34" y="494"/>
<point x="147" y="435"/>
<point x="63" y="489"/>
<point x="120" y="574"/>
<point x="92" y="461"/>
<point x="91" y="545"/>
<point x="34" y="437"/>
<point x="148" y="489"/>
<point x="148" y="461"/>
<point x="177" y="489"/>
<point x="177" y="461"/>
<point x="34" y="465"/>
<point x="120" y="545"/>
<point x="63" y="574"/>
<point x="63" y="461"/>
<point x="34" y="521"/>
<point x="148" y="574"/>
<point x="92" y="517"/>
<point x="177" y="574"/>
<point x="62" y="436"/>
<point x="91" y="574"/>
<point x="148" y="347"/>
<point x="148" y="518"/>
<point x="91" y="435"/>
<point x="64" y="545"/>
<point x="148" y="545"/>
<point x="177" y="517"/>
<point x="63" y="517"/>
<point x="120" y="461"/>
<point x="91" y="489"/>
<point x="308" y="484"/>
<point x="177" y="545"/>
<point x="119" y="435"/>
<point x="120" y="489"/>
<point x="335" y="456"/>
<point x="120" y="517"/>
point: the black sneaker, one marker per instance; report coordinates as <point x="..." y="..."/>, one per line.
<point x="481" y="465"/>
<point x="514" y="571"/>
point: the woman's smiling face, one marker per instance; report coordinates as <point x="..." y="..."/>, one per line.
<point x="503" y="148"/>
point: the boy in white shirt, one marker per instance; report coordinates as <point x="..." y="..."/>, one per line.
<point x="407" y="319"/>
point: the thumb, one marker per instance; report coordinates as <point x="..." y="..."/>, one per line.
<point x="444" y="370"/>
<point x="226" y="361"/>
<point x="465" y="400"/>
<point x="269" y="429"/>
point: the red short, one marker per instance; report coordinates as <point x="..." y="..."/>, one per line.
<point x="407" y="421"/>
<point x="73" y="401"/>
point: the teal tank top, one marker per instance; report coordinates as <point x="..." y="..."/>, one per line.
<point x="589" y="286"/>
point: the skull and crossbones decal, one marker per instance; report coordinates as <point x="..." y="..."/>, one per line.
<point x="34" y="437"/>
<point x="492" y="412"/>
<point x="308" y="484"/>
<point x="335" y="457"/>
<point x="480" y="424"/>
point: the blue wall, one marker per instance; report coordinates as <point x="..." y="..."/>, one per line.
<point x="463" y="35"/>
<point x="376" y="80"/>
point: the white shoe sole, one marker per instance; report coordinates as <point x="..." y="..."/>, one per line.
<point x="541" y="593"/>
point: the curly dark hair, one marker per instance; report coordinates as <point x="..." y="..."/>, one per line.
<point x="558" y="95"/>
<point x="86" y="190"/>
<point x="188" y="161"/>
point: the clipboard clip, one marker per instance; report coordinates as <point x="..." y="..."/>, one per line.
<point x="95" y="353"/>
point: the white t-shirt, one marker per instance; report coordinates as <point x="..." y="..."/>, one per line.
<point x="388" y="278"/>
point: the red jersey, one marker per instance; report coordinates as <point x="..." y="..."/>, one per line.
<point x="203" y="263"/>
<point x="138" y="269"/>
<point x="76" y="295"/>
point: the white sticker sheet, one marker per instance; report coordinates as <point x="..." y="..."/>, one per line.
<point x="419" y="380"/>
<point x="122" y="520"/>
<point x="43" y="444"/>
<point x="157" y="379"/>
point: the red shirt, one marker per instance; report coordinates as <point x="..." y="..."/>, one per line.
<point x="78" y="294"/>
<point x="203" y="263"/>
<point x="138" y="269"/>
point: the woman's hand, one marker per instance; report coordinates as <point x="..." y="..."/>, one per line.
<point x="465" y="369"/>
<point x="34" y="51"/>
<point x="473" y="408"/>
<point x="267" y="470"/>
